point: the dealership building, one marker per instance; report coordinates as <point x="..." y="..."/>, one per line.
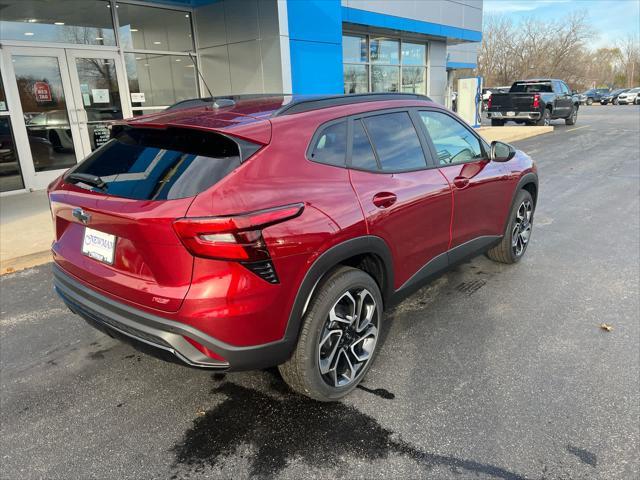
<point x="69" y="67"/>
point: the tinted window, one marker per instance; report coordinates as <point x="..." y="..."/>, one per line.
<point x="331" y="146"/>
<point x="453" y="141"/>
<point x="532" y="87"/>
<point x="564" y="88"/>
<point x="362" y="154"/>
<point x="396" y="141"/>
<point x="160" y="165"/>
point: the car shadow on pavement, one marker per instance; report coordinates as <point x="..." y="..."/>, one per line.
<point x="287" y="426"/>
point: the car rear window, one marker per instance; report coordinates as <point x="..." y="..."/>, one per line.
<point x="151" y="164"/>
<point x="531" y="87"/>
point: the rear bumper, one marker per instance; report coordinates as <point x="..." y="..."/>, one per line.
<point x="160" y="333"/>
<point x="516" y="116"/>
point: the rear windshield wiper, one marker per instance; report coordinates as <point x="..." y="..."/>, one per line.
<point x="94" y="180"/>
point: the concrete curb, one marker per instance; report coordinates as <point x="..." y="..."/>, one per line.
<point x="510" y="134"/>
<point x="26" y="261"/>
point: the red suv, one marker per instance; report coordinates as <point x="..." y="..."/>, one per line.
<point x="251" y="232"/>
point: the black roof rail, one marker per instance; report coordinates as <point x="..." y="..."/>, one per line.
<point x="221" y="100"/>
<point x="307" y="104"/>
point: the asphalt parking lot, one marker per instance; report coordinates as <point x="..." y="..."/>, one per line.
<point x="492" y="371"/>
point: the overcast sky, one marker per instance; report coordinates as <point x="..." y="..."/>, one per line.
<point x="612" y="19"/>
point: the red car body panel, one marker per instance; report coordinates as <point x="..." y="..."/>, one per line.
<point x="434" y="211"/>
<point x="413" y="237"/>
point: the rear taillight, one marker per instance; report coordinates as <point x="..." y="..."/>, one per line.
<point x="490" y="101"/>
<point x="235" y="237"/>
<point x="536" y="101"/>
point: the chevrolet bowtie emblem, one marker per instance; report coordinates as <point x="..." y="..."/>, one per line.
<point x="81" y="215"/>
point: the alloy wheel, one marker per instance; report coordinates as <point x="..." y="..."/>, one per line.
<point x="348" y="338"/>
<point x="521" y="228"/>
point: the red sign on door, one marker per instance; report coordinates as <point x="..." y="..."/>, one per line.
<point x="42" y="91"/>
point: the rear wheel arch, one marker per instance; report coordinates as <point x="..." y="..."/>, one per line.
<point x="368" y="253"/>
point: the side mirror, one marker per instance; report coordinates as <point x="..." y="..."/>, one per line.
<point x="501" y="152"/>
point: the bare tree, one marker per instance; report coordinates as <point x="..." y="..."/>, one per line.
<point x="536" y="48"/>
<point x="630" y="59"/>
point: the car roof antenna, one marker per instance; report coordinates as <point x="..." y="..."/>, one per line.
<point x="217" y="103"/>
<point x="193" y="60"/>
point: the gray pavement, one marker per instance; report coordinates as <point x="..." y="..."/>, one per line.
<point x="492" y="371"/>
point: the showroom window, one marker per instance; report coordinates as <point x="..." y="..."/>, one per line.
<point x="373" y="63"/>
<point x="157" y="43"/>
<point x="86" y="22"/>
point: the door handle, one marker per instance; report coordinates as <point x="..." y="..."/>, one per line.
<point x="384" y="199"/>
<point x="461" y="182"/>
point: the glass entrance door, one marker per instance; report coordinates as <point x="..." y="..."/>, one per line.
<point x="66" y="98"/>
<point x="96" y="79"/>
<point x="43" y="117"/>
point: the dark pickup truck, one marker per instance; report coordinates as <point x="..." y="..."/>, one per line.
<point x="534" y="102"/>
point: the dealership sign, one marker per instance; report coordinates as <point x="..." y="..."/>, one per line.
<point x="42" y="91"/>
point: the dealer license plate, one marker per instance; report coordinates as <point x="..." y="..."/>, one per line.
<point x="99" y="245"/>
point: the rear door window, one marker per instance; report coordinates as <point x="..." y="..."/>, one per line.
<point x="331" y="145"/>
<point x="396" y="141"/>
<point x="362" y="155"/>
<point x="167" y="164"/>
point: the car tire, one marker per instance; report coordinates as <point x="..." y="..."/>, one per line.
<point x="516" y="237"/>
<point x="322" y="361"/>
<point x="573" y="117"/>
<point x="589" y="101"/>
<point x="497" y="123"/>
<point x="615" y="101"/>
<point x="545" y="118"/>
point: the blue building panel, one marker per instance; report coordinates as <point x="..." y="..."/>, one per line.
<point x="315" y="20"/>
<point x="316" y="67"/>
<point x="381" y="20"/>
<point x="459" y="65"/>
<point x="315" y="43"/>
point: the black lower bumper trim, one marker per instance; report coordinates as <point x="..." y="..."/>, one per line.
<point x="119" y="319"/>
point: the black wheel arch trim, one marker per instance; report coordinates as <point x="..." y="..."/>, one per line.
<point x="526" y="179"/>
<point x="330" y="258"/>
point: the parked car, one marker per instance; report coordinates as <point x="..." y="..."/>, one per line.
<point x="612" y="97"/>
<point x="630" y="97"/>
<point x="534" y="102"/>
<point x="593" y="95"/>
<point x="247" y="233"/>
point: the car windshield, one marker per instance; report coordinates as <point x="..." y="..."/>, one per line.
<point x="531" y="87"/>
<point x="634" y="90"/>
